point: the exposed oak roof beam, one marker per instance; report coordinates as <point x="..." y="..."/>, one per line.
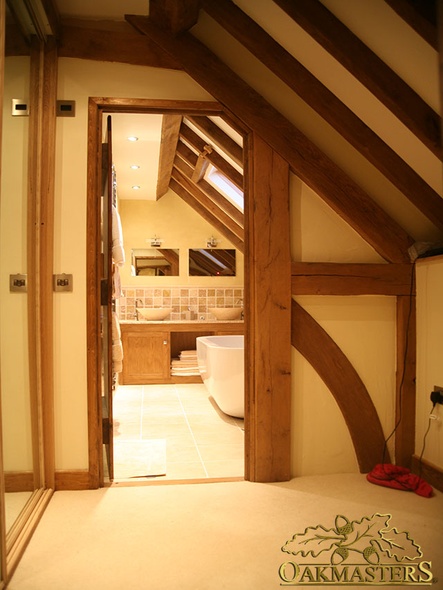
<point x="326" y="104"/>
<point x="219" y="138"/>
<point x="305" y="159"/>
<point x="111" y="41"/>
<point x="174" y="16"/>
<point x="412" y="13"/>
<point x="232" y="216"/>
<point x="192" y="197"/>
<point x="196" y="142"/>
<point x="168" y="145"/>
<point x="368" y="68"/>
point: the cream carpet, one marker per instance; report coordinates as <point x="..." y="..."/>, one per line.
<point x="206" y="536"/>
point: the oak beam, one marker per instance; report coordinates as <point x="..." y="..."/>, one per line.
<point x="110" y="41"/>
<point x="187" y="167"/>
<point x="175" y="16"/>
<point x="328" y="106"/>
<point x="216" y="159"/>
<point x="405" y="380"/>
<point x="368" y="68"/>
<point x="219" y="138"/>
<point x="208" y="201"/>
<point x="268" y="337"/>
<point x="41" y="173"/>
<point x="168" y="145"/>
<point x="208" y="216"/>
<point x="320" y="278"/>
<point x="424" y="25"/>
<point x="307" y="161"/>
<point x="349" y="391"/>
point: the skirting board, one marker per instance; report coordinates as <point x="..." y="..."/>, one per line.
<point x="73" y="480"/>
<point x="432" y="474"/>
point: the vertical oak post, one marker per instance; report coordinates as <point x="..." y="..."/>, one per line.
<point x="268" y="315"/>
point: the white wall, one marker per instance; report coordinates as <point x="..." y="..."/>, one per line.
<point x="429" y="273"/>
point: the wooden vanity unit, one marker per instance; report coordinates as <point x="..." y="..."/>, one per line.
<point x="149" y="347"/>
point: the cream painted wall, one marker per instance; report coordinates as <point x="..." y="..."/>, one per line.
<point x="78" y="80"/>
<point x="429" y="273"/>
<point x="364" y="329"/>
<point x="180" y="227"/>
<point x="16" y="412"/>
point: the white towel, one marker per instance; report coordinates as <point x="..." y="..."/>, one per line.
<point x="118" y="253"/>
<point x="116" y="333"/>
<point x="117" y="352"/>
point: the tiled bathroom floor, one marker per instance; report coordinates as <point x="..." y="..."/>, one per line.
<point x="174" y="432"/>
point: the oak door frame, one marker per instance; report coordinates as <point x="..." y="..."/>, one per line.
<point x="267" y="294"/>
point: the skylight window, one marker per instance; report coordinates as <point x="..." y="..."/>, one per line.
<point x="225" y="186"/>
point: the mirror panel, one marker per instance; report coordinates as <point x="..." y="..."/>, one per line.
<point x="212" y="262"/>
<point x="17" y="440"/>
<point x="155" y="262"/>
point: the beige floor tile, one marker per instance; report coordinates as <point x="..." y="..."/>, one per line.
<point x="217" y="452"/>
<point x="184" y="416"/>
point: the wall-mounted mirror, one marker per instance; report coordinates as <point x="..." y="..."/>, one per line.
<point x="212" y="262"/>
<point x="155" y="262"/>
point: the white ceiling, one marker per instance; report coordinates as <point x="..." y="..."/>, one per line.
<point x="144" y="153"/>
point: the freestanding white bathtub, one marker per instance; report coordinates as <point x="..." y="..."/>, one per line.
<point x="222" y="368"/>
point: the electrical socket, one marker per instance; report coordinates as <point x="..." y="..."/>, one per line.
<point x="437" y="395"/>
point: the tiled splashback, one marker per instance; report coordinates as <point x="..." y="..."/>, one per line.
<point x="186" y="302"/>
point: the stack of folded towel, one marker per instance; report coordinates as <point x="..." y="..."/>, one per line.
<point x="186" y="364"/>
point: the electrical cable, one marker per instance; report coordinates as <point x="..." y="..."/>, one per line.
<point x="424" y="440"/>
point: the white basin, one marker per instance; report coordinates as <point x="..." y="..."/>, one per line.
<point x="154" y="313"/>
<point x="226" y="313"/>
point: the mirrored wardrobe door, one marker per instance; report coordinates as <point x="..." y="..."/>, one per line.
<point x="18" y="457"/>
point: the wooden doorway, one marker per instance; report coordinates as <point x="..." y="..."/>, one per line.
<point x="267" y="293"/>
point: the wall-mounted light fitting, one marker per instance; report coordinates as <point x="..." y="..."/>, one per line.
<point x="156" y="242"/>
<point x="212" y="242"/>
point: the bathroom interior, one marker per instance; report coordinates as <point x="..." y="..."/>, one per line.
<point x="179" y="279"/>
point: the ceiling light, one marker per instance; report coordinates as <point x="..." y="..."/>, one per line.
<point x="132" y="138"/>
<point x="136" y="187"/>
<point x="135" y="167"/>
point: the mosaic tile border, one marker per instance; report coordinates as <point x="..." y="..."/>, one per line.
<point x="187" y="303"/>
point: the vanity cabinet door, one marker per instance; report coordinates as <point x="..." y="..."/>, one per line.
<point x="146" y="357"/>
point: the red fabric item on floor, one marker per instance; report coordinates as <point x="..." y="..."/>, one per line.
<point x="399" y="478"/>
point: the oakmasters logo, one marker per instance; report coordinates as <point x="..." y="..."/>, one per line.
<point x="368" y="551"/>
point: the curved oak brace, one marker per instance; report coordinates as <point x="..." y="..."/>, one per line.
<point x="342" y="380"/>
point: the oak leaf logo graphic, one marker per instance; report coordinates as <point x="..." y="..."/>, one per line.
<point x="368" y="540"/>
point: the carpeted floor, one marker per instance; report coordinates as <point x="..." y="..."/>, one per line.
<point x="216" y="535"/>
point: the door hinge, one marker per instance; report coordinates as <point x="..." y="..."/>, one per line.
<point x="106" y="431"/>
<point x="104" y="291"/>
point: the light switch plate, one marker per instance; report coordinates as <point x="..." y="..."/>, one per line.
<point x="18" y="283"/>
<point x="62" y="282"/>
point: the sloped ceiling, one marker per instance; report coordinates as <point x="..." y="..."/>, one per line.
<point x="348" y="94"/>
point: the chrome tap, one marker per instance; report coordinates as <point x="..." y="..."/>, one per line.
<point x="137" y="303"/>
